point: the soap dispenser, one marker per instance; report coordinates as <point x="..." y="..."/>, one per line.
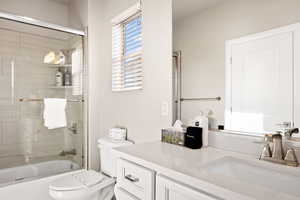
<point x="201" y="121"/>
<point x="212" y="121"/>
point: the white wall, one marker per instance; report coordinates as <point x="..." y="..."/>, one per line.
<point x="78" y="14"/>
<point x="139" y="111"/>
<point x="48" y="10"/>
<point x="202" y="36"/>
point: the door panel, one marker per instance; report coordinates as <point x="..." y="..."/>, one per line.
<point x="261" y="84"/>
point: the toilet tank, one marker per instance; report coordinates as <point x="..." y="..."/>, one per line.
<point x="107" y="159"/>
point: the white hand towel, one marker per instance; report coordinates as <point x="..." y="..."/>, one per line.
<point x="55" y="113"/>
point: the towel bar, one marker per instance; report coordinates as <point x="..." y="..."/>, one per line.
<point x="201" y="99"/>
<point x="68" y="100"/>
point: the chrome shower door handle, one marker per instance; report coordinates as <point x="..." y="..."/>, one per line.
<point x="12" y="66"/>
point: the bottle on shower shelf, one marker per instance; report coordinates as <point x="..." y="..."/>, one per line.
<point x="59" y="78"/>
<point x="67" y="78"/>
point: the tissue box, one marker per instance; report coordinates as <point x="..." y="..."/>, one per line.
<point x="173" y="136"/>
<point x="118" y="134"/>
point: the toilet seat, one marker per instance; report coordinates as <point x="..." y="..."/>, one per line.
<point x="80" y="185"/>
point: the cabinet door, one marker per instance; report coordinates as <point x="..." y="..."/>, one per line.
<point x="167" y="189"/>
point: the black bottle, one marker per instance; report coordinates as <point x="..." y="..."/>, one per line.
<point x="193" y="137"/>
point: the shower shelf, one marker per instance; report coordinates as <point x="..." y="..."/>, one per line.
<point x="58" y="66"/>
<point x="61" y="87"/>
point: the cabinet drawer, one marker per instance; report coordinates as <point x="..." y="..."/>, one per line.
<point x="135" y="179"/>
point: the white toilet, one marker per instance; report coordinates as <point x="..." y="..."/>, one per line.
<point x="88" y="184"/>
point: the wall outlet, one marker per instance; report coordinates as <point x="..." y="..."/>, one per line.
<point x="164" y="108"/>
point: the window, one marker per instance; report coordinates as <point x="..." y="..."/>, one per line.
<point x="127" y="50"/>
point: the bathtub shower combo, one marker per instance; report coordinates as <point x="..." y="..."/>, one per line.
<point x="42" y="109"/>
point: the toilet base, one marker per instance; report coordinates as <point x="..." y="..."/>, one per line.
<point x="103" y="194"/>
<point x="106" y="193"/>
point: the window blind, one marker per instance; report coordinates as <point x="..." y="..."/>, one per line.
<point x="127" y="54"/>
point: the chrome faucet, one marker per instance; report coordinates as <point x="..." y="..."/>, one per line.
<point x="73" y="128"/>
<point x="277" y="154"/>
<point x="71" y="152"/>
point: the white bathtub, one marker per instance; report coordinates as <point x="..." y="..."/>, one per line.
<point x="30" y="190"/>
<point x="33" y="171"/>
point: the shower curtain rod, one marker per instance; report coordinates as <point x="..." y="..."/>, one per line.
<point x="39" y="23"/>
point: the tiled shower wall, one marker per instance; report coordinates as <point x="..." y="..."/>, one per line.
<point x="23" y="75"/>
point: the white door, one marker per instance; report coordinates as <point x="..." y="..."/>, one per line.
<point x="261" y="84"/>
<point x="167" y="189"/>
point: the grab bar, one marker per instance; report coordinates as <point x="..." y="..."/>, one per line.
<point x="38" y="100"/>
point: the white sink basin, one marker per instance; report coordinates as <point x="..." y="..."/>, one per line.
<point x="260" y="175"/>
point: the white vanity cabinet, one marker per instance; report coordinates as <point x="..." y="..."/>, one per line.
<point x="168" y="189"/>
<point x="136" y="182"/>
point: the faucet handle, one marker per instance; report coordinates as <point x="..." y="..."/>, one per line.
<point x="266" y="152"/>
<point x="291" y="158"/>
<point x="73" y="128"/>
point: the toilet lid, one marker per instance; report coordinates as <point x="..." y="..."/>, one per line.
<point x="77" y="181"/>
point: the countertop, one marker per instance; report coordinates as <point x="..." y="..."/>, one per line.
<point x="184" y="165"/>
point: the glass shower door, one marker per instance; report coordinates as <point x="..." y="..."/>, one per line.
<point x="30" y="148"/>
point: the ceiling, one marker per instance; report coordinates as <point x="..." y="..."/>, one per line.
<point x="183" y="8"/>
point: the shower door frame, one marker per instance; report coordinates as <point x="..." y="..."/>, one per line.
<point x="39" y="23"/>
<point x="177" y="90"/>
<point x="83" y="34"/>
